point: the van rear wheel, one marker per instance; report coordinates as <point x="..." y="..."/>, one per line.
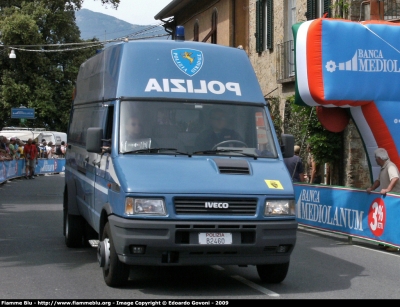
<point x="273" y="273"/>
<point x="115" y="272"/>
<point x="73" y="229"/>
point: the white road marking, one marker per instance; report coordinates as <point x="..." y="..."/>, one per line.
<point x="255" y="286"/>
<point x="217" y="267"/>
<point x="248" y="282"/>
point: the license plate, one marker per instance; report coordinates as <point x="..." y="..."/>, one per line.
<point x="219" y="238"/>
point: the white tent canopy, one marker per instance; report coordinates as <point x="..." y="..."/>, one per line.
<point x="34" y="133"/>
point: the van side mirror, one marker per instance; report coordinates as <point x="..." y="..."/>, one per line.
<point x="287" y="146"/>
<point x="93" y="139"/>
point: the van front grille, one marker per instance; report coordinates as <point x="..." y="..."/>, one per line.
<point x="190" y="206"/>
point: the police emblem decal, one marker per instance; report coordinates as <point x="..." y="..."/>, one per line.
<point x="274" y="184"/>
<point x="188" y="61"/>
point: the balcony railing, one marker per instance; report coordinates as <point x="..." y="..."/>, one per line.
<point x="285" y="62"/>
<point x="388" y="10"/>
<point x="285" y="58"/>
<point x="391" y="9"/>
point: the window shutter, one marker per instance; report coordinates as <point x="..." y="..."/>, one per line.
<point x="270" y="24"/>
<point x="311" y="9"/>
<point x="327" y="8"/>
<point x="260" y="26"/>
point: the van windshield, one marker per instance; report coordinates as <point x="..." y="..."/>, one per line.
<point x="193" y="128"/>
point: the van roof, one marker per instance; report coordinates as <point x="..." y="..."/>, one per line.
<point x="168" y="69"/>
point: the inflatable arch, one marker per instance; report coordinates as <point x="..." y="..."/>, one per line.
<point x="354" y="65"/>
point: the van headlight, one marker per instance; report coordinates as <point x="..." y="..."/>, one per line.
<point x="279" y="207"/>
<point x="146" y="206"/>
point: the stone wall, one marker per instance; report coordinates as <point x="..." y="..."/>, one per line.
<point x="202" y="14"/>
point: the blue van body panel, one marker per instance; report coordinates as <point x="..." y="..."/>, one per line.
<point x="128" y="67"/>
<point x="221" y="189"/>
<point x="197" y="175"/>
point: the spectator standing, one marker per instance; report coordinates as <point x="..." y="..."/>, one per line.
<point x="8" y="146"/>
<point x="388" y="179"/>
<point x="58" y="152"/>
<point x="295" y="166"/>
<point x="43" y="149"/>
<point x="3" y="141"/>
<point x="11" y="146"/>
<point x="16" y="147"/>
<point x="34" y="142"/>
<point x="4" y="155"/>
<point x="37" y="157"/>
<point x="389" y="175"/>
<point x="21" y="149"/>
<point x="30" y="153"/>
<point x="63" y="148"/>
<point x="50" y="150"/>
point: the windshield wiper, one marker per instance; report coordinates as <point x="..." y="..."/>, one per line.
<point x="157" y="150"/>
<point x="239" y="151"/>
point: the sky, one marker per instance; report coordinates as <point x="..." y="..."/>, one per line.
<point x="138" y="12"/>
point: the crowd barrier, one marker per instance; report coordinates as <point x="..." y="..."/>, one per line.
<point x="16" y="168"/>
<point x="351" y="212"/>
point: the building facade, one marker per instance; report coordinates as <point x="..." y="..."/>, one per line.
<point x="264" y="29"/>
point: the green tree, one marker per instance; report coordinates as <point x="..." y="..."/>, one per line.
<point x="273" y="106"/>
<point x="340" y="8"/>
<point x="45" y="38"/>
<point x="303" y="123"/>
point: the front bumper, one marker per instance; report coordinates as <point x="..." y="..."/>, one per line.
<point x="177" y="243"/>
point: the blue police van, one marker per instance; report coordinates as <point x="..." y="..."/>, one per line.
<point x="173" y="160"/>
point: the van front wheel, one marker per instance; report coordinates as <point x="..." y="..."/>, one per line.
<point x="273" y="273"/>
<point x="115" y="273"/>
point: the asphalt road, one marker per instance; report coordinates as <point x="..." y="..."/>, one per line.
<point x="36" y="264"/>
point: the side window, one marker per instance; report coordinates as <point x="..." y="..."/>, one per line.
<point x="317" y="9"/>
<point x="76" y="129"/>
<point x="261" y="132"/>
<point x="82" y="119"/>
<point x="109" y="126"/>
<point x="290" y="19"/>
<point x="265" y="144"/>
<point x="264" y="25"/>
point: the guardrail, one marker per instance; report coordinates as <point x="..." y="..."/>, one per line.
<point x="350" y="212"/>
<point x="16" y="168"/>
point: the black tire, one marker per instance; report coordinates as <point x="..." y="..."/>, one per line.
<point x="117" y="273"/>
<point x="273" y="273"/>
<point x="73" y="227"/>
